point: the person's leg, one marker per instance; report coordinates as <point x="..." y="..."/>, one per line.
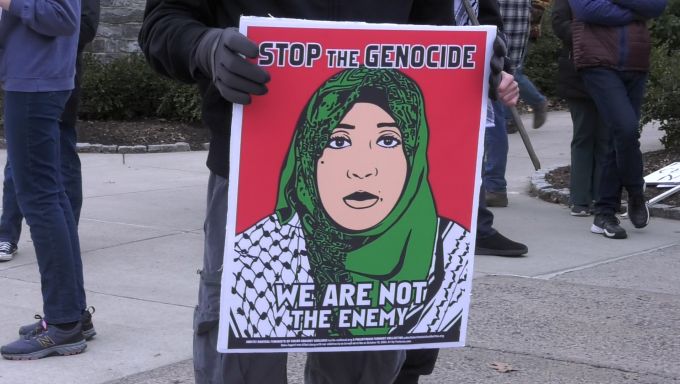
<point x="496" y="157"/>
<point x="585" y="123"/>
<point x="527" y="90"/>
<point x="211" y="367"/>
<point x="611" y="95"/>
<point x="418" y="362"/>
<point x="10" y="221"/>
<point x="32" y="129"/>
<point x="532" y="96"/>
<point x="378" y="367"/>
<point x="68" y="138"/>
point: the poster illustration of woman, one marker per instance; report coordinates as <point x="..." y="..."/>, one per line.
<point x="354" y="209"/>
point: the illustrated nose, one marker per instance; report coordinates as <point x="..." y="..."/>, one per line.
<point x="362" y="174"/>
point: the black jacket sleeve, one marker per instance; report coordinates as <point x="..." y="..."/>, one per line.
<point x="170" y="34"/>
<point x="89" y="21"/>
<point x="561" y="21"/>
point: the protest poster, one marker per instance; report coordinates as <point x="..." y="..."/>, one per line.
<point x="353" y="188"/>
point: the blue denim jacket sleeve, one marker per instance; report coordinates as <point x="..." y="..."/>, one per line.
<point x="48" y="17"/>
<point x="648" y="9"/>
<point x="603" y="12"/>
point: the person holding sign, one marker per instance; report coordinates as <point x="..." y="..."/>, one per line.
<point x="356" y="225"/>
<point x="195" y="41"/>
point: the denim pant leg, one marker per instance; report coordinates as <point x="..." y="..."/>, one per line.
<point x="484" y="217"/>
<point x="496" y="152"/>
<point x="32" y="129"/>
<point x="70" y="162"/>
<point x="10" y="221"/>
<point x="618" y="96"/>
<point x="210" y="366"/>
<point x="527" y="90"/>
<point x="588" y="147"/>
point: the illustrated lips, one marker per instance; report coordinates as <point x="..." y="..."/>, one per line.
<point x="360" y="200"/>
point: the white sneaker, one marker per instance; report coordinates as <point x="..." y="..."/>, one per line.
<point x="7" y="250"/>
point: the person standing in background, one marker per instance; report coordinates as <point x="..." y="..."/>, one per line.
<point x="10" y="221"/>
<point x="612" y="46"/>
<point x="590" y="139"/>
<point x="38" y="47"/>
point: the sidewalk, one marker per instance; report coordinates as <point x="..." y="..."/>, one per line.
<point x="579" y="308"/>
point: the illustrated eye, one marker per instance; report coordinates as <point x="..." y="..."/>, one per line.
<point x="339" y="142"/>
<point x="388" y="141"/>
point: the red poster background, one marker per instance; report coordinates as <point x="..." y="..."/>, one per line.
<point x="452" y="102"/>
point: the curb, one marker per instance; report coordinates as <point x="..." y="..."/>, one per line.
<point x="151" y="148"/>
<point x="545" y="191"/>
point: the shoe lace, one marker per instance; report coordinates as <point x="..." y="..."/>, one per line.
<point x="5" y="246"/>
<point x="611" y="219"/>
<point x="41" y="326"/>
<point x="90" y="310"/>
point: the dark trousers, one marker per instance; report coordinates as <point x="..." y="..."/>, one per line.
<point x="588" y="148"/>
<point x="618" y="96"/>
<point x="32" y="132"/>
<point x="10" y="221"/>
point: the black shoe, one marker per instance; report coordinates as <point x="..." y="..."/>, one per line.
<point x="608" y="225"/>
<point x="510" y="127"/>
<point x="47" y="341"/>
<point x="85" y="320"/>
<point x="499" y="245"/>
<point x="496" y="199"/>
<point x="638" y="211"/>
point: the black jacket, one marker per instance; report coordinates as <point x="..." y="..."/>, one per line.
<point x="89" y="21"/>
<point x="172" y="29"/>
<point x="569" y="83"/>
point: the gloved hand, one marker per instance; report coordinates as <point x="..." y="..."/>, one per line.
<point x="497" y="63"/>
<point x="218" y="55"/>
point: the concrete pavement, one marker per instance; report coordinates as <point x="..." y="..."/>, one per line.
<point x="579" y="308"/>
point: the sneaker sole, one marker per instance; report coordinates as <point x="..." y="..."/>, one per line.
<point x="7" y="256"/>
<point x="580" y="214"/>
<point x="601" y="231"/>
<point x="496" y="252"/>
<point x="61" y="350"/>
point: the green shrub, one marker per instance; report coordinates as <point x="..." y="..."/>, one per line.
<point x="663" y="88"/>
<point x="663" y="92"/>
<point x="128" y="89"/>
<point x="541" y="61"/>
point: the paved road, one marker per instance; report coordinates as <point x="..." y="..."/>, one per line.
<point x="578" y="308"/>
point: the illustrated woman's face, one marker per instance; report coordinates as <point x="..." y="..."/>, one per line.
<point x="362" y="170"/>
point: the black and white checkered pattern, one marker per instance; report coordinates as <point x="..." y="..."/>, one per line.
<point x="270" y="252"/>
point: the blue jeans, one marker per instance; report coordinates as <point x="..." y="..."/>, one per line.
<point x="618" y="96"/>
<point x="10" y="221"/>
<point x="527" y="92"/>
<point x="33" y="149"/>
<point x="495" y="152"/>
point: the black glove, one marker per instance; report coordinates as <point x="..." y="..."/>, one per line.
<point x="497" y="64"/>
<point x="218" y="56"/>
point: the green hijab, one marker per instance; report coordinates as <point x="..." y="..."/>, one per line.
<point x="400" y="247"/>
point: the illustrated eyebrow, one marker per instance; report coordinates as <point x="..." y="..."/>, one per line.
<point x="345" y="126"/>
<point x="383" y="125"/>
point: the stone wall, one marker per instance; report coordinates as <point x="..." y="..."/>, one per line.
<point x="118" y="28"/>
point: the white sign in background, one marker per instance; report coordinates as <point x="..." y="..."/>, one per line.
<point x="668" y="175"/>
